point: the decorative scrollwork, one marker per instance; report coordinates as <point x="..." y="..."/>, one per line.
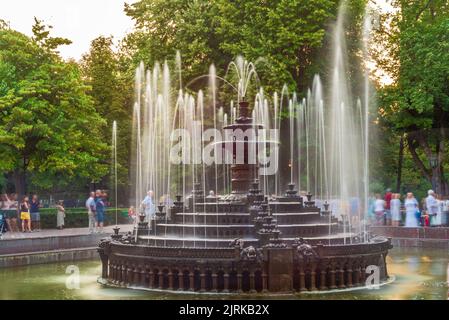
<point x="128" y="238"/>
<point x="305" y="251"/>
<point x="236" y="243"/>
<point x="251" y="254"/>
<point x="248" y="253"/>
<point x="104" y="246"/>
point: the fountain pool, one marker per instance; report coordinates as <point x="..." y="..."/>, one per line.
<point x="419" y="276"/>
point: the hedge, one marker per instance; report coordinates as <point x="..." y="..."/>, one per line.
<point x="77" y="217"/>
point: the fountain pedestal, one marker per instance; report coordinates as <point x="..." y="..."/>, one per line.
<point x="243" y="172"/>
<point x="142" y="226"/>
<point x="280" y="269"/>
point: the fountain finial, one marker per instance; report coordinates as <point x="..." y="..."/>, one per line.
<point x="244" y="109"/>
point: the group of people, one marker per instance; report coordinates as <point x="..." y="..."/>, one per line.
<point x="8" y="201"/>
<point x="383" y="210"/>
<point x="147" y="205"/>
<point x="387" y="210"/>
<point x="29" y="214"/>
<point x="96" y="209"/>
<point x="26" y="213"/>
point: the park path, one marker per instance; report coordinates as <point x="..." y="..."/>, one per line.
<point x="65" y="232"/>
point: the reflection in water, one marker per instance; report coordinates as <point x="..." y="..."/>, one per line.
<point x="420" y="274"/>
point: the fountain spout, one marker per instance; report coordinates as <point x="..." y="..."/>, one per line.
<point x="244" y="112"/>
<point x="242" y="144"/>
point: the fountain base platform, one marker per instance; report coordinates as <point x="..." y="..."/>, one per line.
<point x="244" y="247"/>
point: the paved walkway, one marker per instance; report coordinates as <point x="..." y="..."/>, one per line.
<point x="60" y="233"/>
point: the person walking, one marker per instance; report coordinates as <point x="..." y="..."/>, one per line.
<point x="104" y="196"/>
<point x="132" y="214"/>
<point x="379" y="209"/>
<point x="148" y="206"/>
<point x="25" y="214"/>
<point x="371" y="212"/>
<point x="395" y="208"/>
<point x="35" y="205"/>
<point x="60" y="215"/>
<point x="354" y="210"/>
<point x="437" y="220"/>
<point x="91" y="210"/>
<point x="387" y="198"/>
<point x="411" y="209"/>
<point x="445" y="216"/>
<point x="432" y="207"/>
<point x="100" y="209"/>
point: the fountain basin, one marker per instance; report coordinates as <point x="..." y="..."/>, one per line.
<point x="295" y="268"/>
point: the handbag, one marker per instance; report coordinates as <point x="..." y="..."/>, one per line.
<point x="418" y="214"/>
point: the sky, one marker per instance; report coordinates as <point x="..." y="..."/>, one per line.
<point x="78" y="20"/>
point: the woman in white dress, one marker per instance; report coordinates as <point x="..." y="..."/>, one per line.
<point x="379" y="210"/>
<point x="437" y="221"/>
<point x="444" y="217"/>
<point x="411" y="207"/>
<point x="60" y="215"/>
<point x="395" y="207"/>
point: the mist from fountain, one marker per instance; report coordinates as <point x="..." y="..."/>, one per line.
<point x="327" y="143"/>
<point x="114" y="168"/>
<point x="366" y="40"/>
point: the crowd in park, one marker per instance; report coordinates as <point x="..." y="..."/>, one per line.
<point x="391" y="210"/>
<point x="387" y="209"/>
<point x="24" y="215"/>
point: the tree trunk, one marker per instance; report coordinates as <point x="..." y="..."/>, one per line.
<point x="400" y="160"/>
<point x="19" y="179"/>
<point x="434" y="175"/>
<point x="438" y="181"/>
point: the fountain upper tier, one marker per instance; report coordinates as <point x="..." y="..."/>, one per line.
<point x="243" y="174"/>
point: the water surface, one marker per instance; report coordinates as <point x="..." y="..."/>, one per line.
<point x="419" y="274"/>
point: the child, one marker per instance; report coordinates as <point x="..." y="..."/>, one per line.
<point x="25" y="214"/>
<point x="132" y="214"/>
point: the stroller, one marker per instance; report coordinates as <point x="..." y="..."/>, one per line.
<point x="2" y="224"/>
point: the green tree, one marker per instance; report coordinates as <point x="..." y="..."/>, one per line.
<point x="287" y="36"/>
<point x="416" y="53"/>
<point x="111" y="89"/>
<point x="162" y="27"/>
<point x="49" y="129"/>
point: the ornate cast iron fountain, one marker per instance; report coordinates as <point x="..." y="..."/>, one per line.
<point x="242" y="242"/>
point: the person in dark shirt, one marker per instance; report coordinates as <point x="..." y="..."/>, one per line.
<point x="100" y="207"/>
<point x="35" y="215"/>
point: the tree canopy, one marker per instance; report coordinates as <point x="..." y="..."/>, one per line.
<point x="49" y="129"/>
<point x="56" y="116"/>
<point x="417" y="103"/>
<point x="111" y="88"/>
<point x="287" y="35"/>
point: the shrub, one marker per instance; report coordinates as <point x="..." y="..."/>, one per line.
<point x="77" y="217"/>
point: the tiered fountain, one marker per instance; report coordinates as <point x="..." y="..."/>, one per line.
<point x="252" y="239"/>
<point x="244" y="243"/>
